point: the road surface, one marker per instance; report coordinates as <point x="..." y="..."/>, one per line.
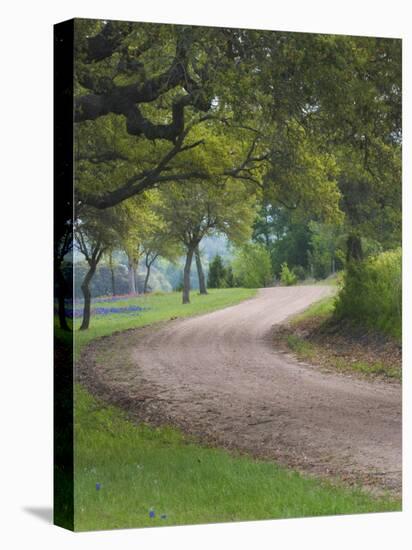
<point x="219" y="377"/>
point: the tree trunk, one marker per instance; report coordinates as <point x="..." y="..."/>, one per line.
<point x="186" y="276"/>
<point x="354" y="250"/>
<point x="200" y="274"/>
<point x="146" y="281"/>
<point x="136" y="284"/>
<point x="61" y="294"/>
<point x="132" y="278"/>
<point x="112" y="273"/>
<point x="87" y="297"/>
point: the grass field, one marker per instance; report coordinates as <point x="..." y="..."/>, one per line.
<point x="140" y="469"/>
<point x="123" y="471"/>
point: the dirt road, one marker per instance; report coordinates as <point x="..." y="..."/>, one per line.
<point x="219" y="378"/>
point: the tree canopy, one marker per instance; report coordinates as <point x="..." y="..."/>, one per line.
<point x="181" y="132"/>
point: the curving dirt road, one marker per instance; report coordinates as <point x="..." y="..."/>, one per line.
<point x="218" y="377"/>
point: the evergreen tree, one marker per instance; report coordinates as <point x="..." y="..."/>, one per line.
<point x="217" y="273"/>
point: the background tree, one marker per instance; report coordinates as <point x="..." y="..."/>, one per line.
<point x="217" y="273"/>
<point x="196" y="210"/>
<point x="158" y="244"/>
<point x="63" y="247"/>
<point x="200" y="272"/>
<point x="326" y="249"/>
<point x="252" y="267"/>
<point x="94" y="235"/>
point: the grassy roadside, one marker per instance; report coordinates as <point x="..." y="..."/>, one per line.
<point x="314" y="336"/>
<point x="139" y="469"/>
<point x="124" y="470"/>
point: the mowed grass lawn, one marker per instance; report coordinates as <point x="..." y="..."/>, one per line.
<point x="125" y="473"/>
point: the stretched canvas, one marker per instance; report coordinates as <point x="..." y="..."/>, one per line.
<point x="227" y="274"/>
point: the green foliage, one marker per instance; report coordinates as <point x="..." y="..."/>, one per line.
<point x="287" y="278"/>
<point x="220" y="276"/>
<point x="300" y="171"/>
<point x="217" y="273"/>
<point x="326" y="247"/>
<point x="194" y="210"/>
<point x="372" y="293"/>
<point x="252" y="266"/>
<point x="230" y="278"/>
<point x="285" y="234"/>
<point x="140" y="468"/>
<point x="299" y="272"/>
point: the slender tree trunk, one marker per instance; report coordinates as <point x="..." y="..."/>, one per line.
<point x="146" y="281"/>
<point x="354" y="250"/>
<point x="112" y="273"/>
<point x="186" y="276"/>
<point x="149" y="262"/>
<point x="61" y="294"/>
<point x="131" y="274"/>
<point x="87" y="297"/>
<point x="136" y="283"/>
<point x="200" y="274"/>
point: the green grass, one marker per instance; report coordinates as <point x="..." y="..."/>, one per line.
<point x="321" y="310"/>
<point x="377" y="368"/>
<point x="303" y="348"/>
<point x="140" y="468"/>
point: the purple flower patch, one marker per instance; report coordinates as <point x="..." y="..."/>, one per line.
<point x="110" y="310"/>
<point x="77" y="313"/>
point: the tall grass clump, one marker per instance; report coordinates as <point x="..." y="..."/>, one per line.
<point x="372" y="293"/>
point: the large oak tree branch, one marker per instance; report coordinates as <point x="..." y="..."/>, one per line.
<point x="107" y="41"/>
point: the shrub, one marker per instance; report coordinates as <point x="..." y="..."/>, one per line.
<point x="217" y="273"/>
<point x="372" y="293"/>
<point x="252" y="267"/>
<point x="287" y="278"/>
<point x="299" y="272"/>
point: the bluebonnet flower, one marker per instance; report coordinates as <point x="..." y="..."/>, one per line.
<point x="98" y="486"/>
<point x="76" y="313"/>
<point x="151" y="513"/>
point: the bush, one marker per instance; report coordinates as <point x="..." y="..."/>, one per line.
<point x="299" y="272"/>
<point x="217" y="273"/>
<point x="286" y="276"/>
<point x="372" y="293"/>
<point x="252" y="267"/>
